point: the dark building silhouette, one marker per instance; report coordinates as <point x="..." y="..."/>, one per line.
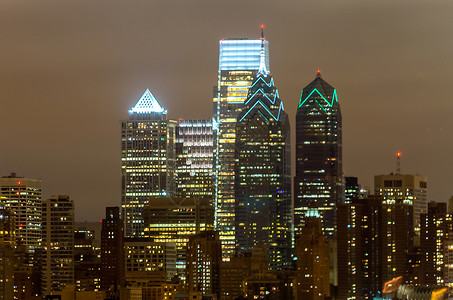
<point x="319" y="166"/>
<point x="313" y="263"/>
<point x="112" y="250"/>
<point x="263" y="172"/>
<point x="204" y="255"/>
<point x="87" y="263"/>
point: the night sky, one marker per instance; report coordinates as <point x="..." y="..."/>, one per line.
<point x="71" y="70"/>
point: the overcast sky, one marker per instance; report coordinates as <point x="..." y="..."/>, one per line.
<point x="70" y="71"/>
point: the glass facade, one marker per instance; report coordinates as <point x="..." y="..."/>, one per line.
<point x="319" y="167"/>
<point x="263" y="174"/>
<point x="239" y="61"/>
<point x="194" y="158"/>
<point x="147" y="160"/>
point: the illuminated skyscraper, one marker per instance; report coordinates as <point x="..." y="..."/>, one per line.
<point x="263" y="173"/>
<point x="407" y="189"/>
<point x="239" y="61"/>
<point x="319" y="165"/>
<point x="194" y="158"/>
<point x="23" y="197"/>
<point x="147" y="160"/>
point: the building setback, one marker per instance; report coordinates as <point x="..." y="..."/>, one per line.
<point x="239" y="60"/>
<point x="263" y="172"/>
<point x="147" y="160"/>
<point x="319" y="165"/>
<point x="57" y="243"/>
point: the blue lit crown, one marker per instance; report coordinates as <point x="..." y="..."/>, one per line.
<point x="262" y="99"/>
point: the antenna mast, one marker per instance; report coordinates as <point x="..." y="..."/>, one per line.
<point x="398" y="163"/>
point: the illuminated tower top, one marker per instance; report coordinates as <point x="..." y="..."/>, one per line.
<point x="318" y="93"/>
<point x="147" y="105"/>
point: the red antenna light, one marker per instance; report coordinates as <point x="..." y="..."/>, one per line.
<point x="398" y="154"/>
<point x="319" y="71"/>
<point x="19" y="183"/>
<point x="262" y="25"/>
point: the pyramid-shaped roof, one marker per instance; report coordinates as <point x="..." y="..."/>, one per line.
<point x="147" y="104"/>
<point x="319" y="91"/>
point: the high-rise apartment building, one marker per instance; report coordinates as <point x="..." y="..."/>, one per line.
<point x="408" y="189"/>
<point x="319" y="162"/>
<point x="23" y="196"/>
<point x="147" y="160"/>
<point x="353" y="190"/>
<point x="433" y="233"/>
<point x="373" y="245"/>
<point x="57" y="243"/>
<point x="194" y="158"/>
<point x="263" y="172"/>
<point x="7" y="245"/>
<point x="239" y="61"/>
<point x="112" y="250"/>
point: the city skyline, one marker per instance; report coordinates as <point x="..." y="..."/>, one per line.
<point x="65" y="88"/>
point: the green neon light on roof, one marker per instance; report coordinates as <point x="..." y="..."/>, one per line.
<point x="334" y="97"/>
<point x="321" y="106"/>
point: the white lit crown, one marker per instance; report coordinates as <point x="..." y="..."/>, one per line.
<point x="147" y="104"/>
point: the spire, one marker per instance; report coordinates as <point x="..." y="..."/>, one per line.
<point x="262" y="69"/>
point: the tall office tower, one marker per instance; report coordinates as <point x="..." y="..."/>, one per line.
<point x="147" y="160"/>
<point x="194" y="158"/>
<point x="239" y="61"/>
<point x="263" y="172"/>
<point x="319" y="159"/>
<point x="57" y="243"/>
<point x="23" y="196"/>
<point x="313" y="265"/>
<point x="204" y="255"/>
<point x="432" y="239"/>
<point x="112" y="250"/>
<point x="408" y="189"/>
<point x="176" y="220"/>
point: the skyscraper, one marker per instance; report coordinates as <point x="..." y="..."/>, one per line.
<point x="319" y="162"/>
<point x="57" y="243"/>
<point x="263" y="172"/>
<point x="239" y="61"/>
<point x="23" y="196"/>
<point x="194" y="158"/>
<point x="407" y="189"/>
<point x="147" y="160"/>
